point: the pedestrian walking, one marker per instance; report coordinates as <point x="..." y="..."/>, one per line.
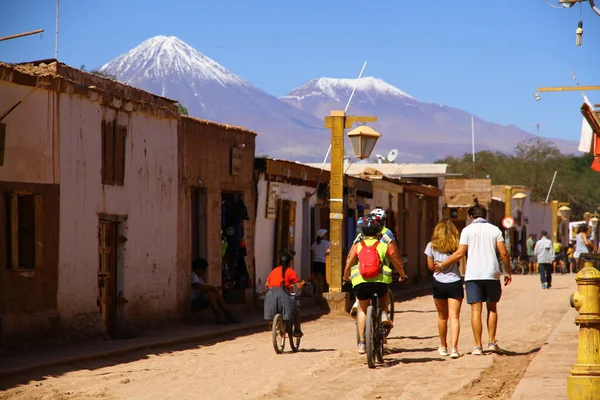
<point x="448" y="290"/>
<point x="582" y="244"/>
<point x="480" y="240"/>
<point x="544" y="252"/>
<point x="320" y="249"/>
<point x="531" y="254"/>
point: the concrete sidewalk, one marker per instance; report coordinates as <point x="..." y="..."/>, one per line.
<point x="546" y="376"/>
<point x="20" y="363"/>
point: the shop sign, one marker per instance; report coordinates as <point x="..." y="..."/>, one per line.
<point x="272" y="197"/>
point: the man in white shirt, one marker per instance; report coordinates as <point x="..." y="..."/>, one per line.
<point x="544" y="251"/>
<point x="479" y="241"/>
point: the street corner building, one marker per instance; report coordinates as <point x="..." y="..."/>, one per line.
<point x="107" y="193"/>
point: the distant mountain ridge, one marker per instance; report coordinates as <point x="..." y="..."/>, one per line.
<point x="292" y="126"/>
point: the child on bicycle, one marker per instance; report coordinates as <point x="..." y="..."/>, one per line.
<point x="364" y="287"/>
<point x="278" y="299"/>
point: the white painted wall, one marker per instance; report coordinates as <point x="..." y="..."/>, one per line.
<point x="148" y="198"/>
<point x="540" y="219"/>
<point x="265" y="229"/>
<point x="29" y="134"/>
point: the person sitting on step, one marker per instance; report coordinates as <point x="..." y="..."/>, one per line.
<point x="204" y="295"/>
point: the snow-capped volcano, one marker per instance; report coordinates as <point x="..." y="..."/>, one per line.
<point x="340" y="89"/>
<point x="167" y="66"/>
<point x="292" y="127"/>
<point x="167" y="57"/>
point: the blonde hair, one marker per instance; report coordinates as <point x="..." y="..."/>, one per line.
<point x="445" y="237"/>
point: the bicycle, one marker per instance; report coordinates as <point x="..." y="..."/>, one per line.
<point x="282" y="331"/>
<point x="374" y="332"/>
<point x="519" y="267"/>
<point x="386" y="330"/>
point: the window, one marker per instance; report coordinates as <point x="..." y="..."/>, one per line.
<point x="26" y="231"/>
<point x="113" y="153"/>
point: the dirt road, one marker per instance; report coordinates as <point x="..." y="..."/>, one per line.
<point x="327" y="366"/>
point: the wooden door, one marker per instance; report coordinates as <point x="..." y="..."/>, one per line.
<point x="107" y="235"/>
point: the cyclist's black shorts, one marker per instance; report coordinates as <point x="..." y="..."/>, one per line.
<point x="364" y="291"/>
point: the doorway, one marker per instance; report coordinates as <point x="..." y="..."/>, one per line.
<point x="285" y="228"/>
<point x="198" y="223"/>
<point x="108" y="271"/>
<point x="233" y="247"/>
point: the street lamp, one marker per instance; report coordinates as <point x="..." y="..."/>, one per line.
<point x="363" y="141"/>
<point x="564" y="212"/>
<point x="519" y="198"/>
<point x="571" y="3"/>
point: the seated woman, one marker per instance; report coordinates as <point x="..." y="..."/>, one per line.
<point x="278" y="299"/>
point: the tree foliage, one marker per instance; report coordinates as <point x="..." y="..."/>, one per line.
<point x="533" y="165"/>
<point x="182" y="110"/>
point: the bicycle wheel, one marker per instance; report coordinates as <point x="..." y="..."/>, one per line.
<point x="387" y="331"/>
<point x="370" y="337"/>
<point x="379" y="334"/>
<point x="278" y="334"/>
<point x="294" y="341"/>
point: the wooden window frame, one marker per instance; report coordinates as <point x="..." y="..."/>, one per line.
<point x="13" y="212"/>
<point x="113" y="152"/>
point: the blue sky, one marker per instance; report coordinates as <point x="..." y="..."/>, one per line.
<point x="485" y="57"/>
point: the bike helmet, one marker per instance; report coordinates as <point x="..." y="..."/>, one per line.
<point x="371" y="226"/>
<point x="380" y="212"/>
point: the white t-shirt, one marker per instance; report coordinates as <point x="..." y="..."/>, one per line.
<point x="320" y="250"/>
<point x="481" y="237"/>
<point x="449" y="274"/>
<point x="196" y="279"/>
<point x="544" y="251"/>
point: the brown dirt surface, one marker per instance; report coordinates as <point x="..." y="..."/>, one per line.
<point x="327" y="365"/>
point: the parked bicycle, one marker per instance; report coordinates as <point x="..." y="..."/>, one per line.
<point x="518" y="266"/>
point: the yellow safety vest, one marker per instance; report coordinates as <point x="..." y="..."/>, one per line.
<point x="386" y="272"/>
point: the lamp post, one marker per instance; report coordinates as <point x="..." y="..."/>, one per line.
<point x="363" y="141"/>
<point x="513" y="193"/>
<point x="559" y="210"/>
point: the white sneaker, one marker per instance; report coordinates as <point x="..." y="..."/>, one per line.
<point x="477" y="351"/>
<point x="386" y="321"/>
<point x="493" y="347"/>
<point x="454" y="353"/>
<point x="361" y="348"/>
<point x="443" y="351"/>
<point x="354" y="309"/>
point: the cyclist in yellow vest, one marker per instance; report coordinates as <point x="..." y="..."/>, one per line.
<point x="365" y="288"/>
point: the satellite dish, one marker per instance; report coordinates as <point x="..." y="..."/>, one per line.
<point x="392" y="155"/>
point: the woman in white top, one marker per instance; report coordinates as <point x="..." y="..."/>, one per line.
<point x="582" y="244"/>
<point x="320" y="249"/>
<point x="448" y="291"/>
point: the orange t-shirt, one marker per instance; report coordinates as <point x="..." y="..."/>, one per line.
<point x="274" y="279"/>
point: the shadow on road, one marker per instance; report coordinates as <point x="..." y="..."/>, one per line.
<point x="413" y="337"/>
<point x="516" y="353"/>
<point x="393" y="362"/>
<point x="314" y="350"/>
<point x="414" y="311"/>
<point x="395" y="350"/>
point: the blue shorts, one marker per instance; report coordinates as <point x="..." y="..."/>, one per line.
<point x="483" y="291"/>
